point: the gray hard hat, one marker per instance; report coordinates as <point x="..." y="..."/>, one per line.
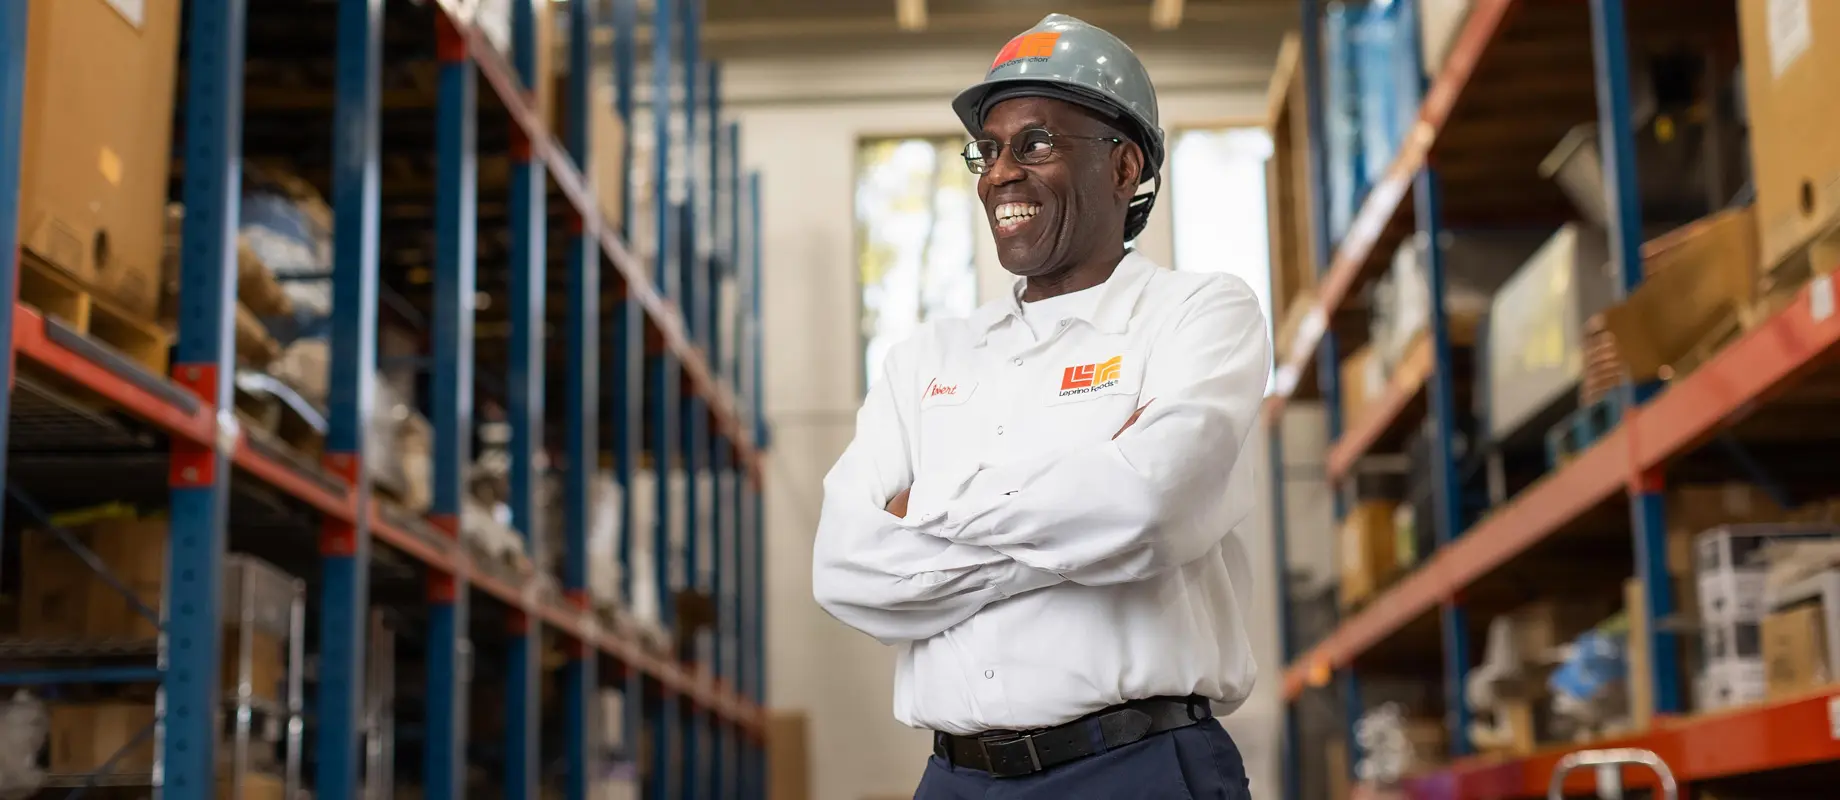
<point x="1068" y="59"/>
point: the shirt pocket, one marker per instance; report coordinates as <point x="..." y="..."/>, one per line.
<point x="1091" y="394"/>
<point x="946" y="451"/>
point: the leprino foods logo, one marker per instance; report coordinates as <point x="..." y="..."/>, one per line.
<point x="1087" y="378"/>
<point x="936" y="389"/>
<point x="1032" y="46"/>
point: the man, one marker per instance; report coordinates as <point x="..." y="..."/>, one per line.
<point x="1039" y="504"/>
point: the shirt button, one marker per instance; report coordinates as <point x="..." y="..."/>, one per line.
<point x="999" y="430"/>
<point x="1017" y="362"/>
<point x="990" y="673"/>
<point x="1065" y="322"/>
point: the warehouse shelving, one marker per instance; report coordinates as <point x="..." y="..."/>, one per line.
<point x="145" y="415"/>
<point x="1482" y="125"/>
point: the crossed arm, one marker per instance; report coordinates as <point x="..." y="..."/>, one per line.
<point x="1154" y="497"/>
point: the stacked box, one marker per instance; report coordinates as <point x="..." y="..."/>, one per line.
<point x="1536" y="331"/>
<point x="1791" y="55"/>
<point x="1729" y="567"/>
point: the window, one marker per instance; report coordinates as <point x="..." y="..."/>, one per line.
<point x="916" y="216"/>
<point x="1217" y="188"/>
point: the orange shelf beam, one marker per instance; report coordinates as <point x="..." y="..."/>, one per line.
<point x="1781" y="734"/>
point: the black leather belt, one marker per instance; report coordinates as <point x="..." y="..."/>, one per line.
<point x="1012" y="754"/>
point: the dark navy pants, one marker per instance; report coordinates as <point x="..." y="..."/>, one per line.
<point x="1199" y="762"/>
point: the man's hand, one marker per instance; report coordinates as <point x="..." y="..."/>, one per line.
<point x="898" y="506"/>
<point x="1127" y="426"/>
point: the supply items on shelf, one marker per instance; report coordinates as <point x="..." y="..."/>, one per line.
<point x="24" y="727"/>
<point x="1536" y="331"/>
<point x="1731" y="563"/>
<point x="95" y="152"/>
<point x="1439" y="22"/>
<point x="1590" y="693"/>
<point x="1289" y="195"/>
<point x="1699" y="294"/>
<point x="1343" y="158"/>
<point x="1369" y="551"/>
<point x="1393" y="745"/>
<point x="1791" y="53"/>
<point x="1386" y="81"/>
<point x="86" y="735"/>
<point x="1476" y="265"/>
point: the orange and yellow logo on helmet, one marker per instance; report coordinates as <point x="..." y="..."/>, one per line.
<point x="1028" y="45"/>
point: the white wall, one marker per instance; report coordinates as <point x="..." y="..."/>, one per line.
<point x="805" y="147"/>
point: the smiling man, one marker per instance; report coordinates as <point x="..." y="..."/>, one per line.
<point x="1039" y="505"/>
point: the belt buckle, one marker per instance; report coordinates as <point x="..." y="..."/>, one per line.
<point x="1028" y="741"/>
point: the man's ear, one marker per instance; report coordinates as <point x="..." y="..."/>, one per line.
<point x="1129" y="170"/>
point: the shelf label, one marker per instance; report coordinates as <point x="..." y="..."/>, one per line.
<point x="1833" y="717"/>
<point x="1790" y="34"/>
<point x="1821" y="298"/>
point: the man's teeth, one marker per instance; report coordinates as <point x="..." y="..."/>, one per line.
<point x="1015" y="212"/>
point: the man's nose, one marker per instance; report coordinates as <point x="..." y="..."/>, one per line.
<point x="1004" y="169"/>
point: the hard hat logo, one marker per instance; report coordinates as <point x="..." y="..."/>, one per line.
<point x="1033" y="46"/>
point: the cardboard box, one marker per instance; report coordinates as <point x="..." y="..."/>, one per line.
<point x="606" y="137"/>
<point x="1795" y="650"/>
<point x="1791" y="55"/>
<point x="1369" y="552"/>
<point x="1536" y="332"/>
<point x="788" y="756"/>
<point x="268" y="663"/>
<point x="1732" y="683"/>
<point x="62" y="598"/>
<point x="84" y="736"/>
<point x="1730" y="570"/>
<point x="1701" y="280"/>
<point x="1542" y="627"/>
<point x="1364" y="381"/>
<point x="97" y="141"/>
<point x="256" y="786"/>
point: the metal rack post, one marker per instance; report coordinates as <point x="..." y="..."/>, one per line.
<point x="628" y="379"/>
<point x="580" y="674"/>
<point x="12" y="128"/>
<point x="345" y="547"/>
<point x="529" y="269"/>
<point x="204" y="363"/>
<point x="691" y="409"/>
<point x="756" y="532"/>
<point x="456" y="217"/>
<point x="728" y="616"/>
<point x="664" y="380"/>
<point x="1647" y="509"/>
<point x="1280" y="556"/>
<point x="715" y="443"/>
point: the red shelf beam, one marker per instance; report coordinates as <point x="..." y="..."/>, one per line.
<point x="1777" y="735"/>
<point x="1383" y="418"/>
<point x="1761" y="364"/>
<point x="1354" y="260"/>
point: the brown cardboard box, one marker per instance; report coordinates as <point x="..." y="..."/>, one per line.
<point x="1701" y="281"/>
<point x="1369" y="553"/>
<point x="606" y="140"/>
<point x="268" y="660"/>
<point x="97" y="141"/>
<point x="1790" y="60"/>
<point x="1544" y="626"/>
<point x="62" y="598"/>
<point x="256" y="786"/>
<point x="788" y="756"/>
<point x="1363" y="382"/>
<point x="1795" y="650"/>
<point x="84" y="736"/>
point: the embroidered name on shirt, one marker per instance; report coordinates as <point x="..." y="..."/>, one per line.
<point x="936" y="389"/>
<point x="1091" y="377"/>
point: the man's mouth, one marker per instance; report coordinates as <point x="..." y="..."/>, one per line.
<point x="1012" y="216"/>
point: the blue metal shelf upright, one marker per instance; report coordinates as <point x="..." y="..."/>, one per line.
<point x="670" y="351"/>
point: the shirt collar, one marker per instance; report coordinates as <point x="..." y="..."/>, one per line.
<point x="1117" y="299"/>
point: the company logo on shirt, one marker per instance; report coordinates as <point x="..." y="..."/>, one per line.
<point x="1032" y="46"/>
<point x="1091" y="377"/>
<point x="936" y="389"/>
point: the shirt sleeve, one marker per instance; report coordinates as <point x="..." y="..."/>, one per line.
<point x="1162" y="493"/>
<point x="898" y="579"/>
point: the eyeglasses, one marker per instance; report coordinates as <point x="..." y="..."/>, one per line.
<point x="1032" y="146"/>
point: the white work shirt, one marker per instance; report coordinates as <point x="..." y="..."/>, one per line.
<point x="1046" y="570"/>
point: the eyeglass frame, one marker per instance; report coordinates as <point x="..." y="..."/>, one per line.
<point x="1016" y="153"/>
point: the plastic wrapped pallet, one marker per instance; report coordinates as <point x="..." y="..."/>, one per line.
<point x="1341" y="122"/>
